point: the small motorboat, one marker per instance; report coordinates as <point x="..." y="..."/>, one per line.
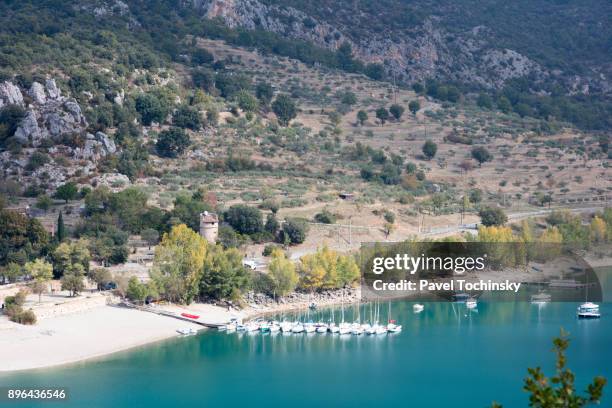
<point x="230" y="327"/>
<point x="187" y="331"/>
<point x="418" y="308"/>
<point x="264" y="327"/>
<point x="394" y="328"/>
<point x="471" y="303"/>
<point x="241" y="327"/>
<point x="588" y="310"/>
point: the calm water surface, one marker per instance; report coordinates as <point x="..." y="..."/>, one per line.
<point x="445" y="356"/>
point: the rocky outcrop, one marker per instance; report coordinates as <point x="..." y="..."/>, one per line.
<point x="107" y="143"/>
<point x="10" y="94"/>
<point x="28" y="131"/>
<point x="95" y="147"/>
<point x="37" y="92"/>
<point x="50" y="115"/>
<point x="48" y="119"/>
<point x="52" y="89"/>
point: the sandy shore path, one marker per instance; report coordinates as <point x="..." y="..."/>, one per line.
<point x="79" y="336"/>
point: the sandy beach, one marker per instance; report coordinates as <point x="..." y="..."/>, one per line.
<point x="88" y="328"/>
<point x="80" y="336"/>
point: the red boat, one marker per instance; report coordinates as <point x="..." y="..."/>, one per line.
<point x="190" y="316"/>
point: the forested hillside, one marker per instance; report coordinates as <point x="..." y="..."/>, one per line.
<point x="543" y="58"/>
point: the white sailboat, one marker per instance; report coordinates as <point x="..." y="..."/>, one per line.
<point x="392" y="327"/>
<point x="274" y="327"/>
<point x="252" y="327"/>
<point x="309" y="327"/>
<point x="286" y="326"/>
<point x="380" y="329"/>
<point x="356" y="329"/>
<point x="345" y="328"/>
<point x="298" y="327"/>
<point x="588" y="310"/>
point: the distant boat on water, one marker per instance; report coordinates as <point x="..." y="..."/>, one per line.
<point x="471" y="303"/>
<point x="297" y="328"/>
<point x="540" y="298"/>
<point x="588" y="310"/>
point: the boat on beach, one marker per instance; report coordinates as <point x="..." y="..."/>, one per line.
<point x="187" y="331"/>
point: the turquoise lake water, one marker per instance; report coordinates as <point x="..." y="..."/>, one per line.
<point x="445" y="356"/>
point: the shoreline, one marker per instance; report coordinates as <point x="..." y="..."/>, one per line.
<point x="70" y="336"/>
<point x="132" y="329"/>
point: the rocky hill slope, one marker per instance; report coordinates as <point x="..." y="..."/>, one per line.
<point x="452" y="41"/>
<point x="51" y="120"/>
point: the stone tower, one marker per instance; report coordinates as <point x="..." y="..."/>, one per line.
<point x="209" y="226"/>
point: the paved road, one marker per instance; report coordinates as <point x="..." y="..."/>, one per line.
<point x="511" y="217"/>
